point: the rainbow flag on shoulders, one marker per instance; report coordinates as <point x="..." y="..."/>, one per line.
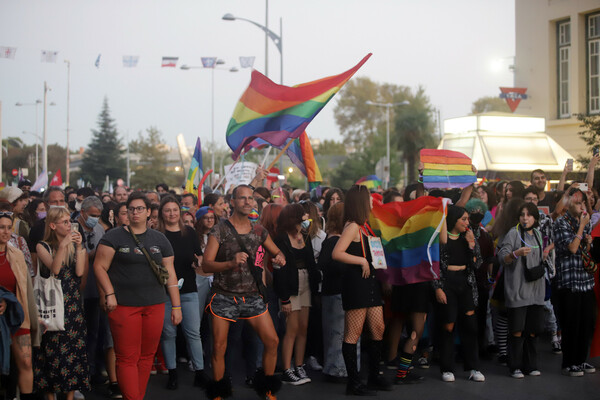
<point x="276" y="113"/>
<point x="409" y="232"/>
<point x="446" y="169"/>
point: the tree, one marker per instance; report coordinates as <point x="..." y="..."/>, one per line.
<point x="488" y="104"/>
<point x="330" y="148"/>
<point x="590" y="133"/>
<point x="152" y="168"/>
<point x="104" y="155"/>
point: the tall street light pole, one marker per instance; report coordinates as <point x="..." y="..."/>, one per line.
<point x="387" y="106"/>
<point x="37" y="145"/>
<point x="36" y="104"/>
<point x="45" y="135"/>
<point x="68" y="164"/>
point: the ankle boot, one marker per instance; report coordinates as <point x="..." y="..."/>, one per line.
<point x="172" y="382"/>
<point x="354" y="386"/>
<point x="377" y="380"/>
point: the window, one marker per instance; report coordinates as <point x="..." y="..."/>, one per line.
<point x="563" y="51"/>
<point x="593" y="67"/>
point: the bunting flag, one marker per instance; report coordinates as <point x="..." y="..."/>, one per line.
<point x="57" y="179"/>
<point x="209" y="62"/>
<point x="195" y="172"/>
<point x="130" y="61"/>
<point x="370" y="181"/>
<point x="409" y="233"/>
<point x="97" y="63"/>
<point x="276" y="113"/>
<point x="169" y="62"/>
<point x="49" y="56"/>
<point x="41" y="182"/>
<point x="8" y="52"/>
<point x="247" y="62"/>
<point x="446" y="169"/>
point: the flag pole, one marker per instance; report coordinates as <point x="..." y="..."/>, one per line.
<point x="225" y="173"/>
<point x="262" y="164"/>
<point x="280" y="154"/>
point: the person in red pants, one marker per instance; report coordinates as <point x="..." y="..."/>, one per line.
<point x="133" y="296"/>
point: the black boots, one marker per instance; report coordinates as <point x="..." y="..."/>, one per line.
<point x="200" y="379"/>
<point x="266" y="386"/>
<point x="377" y="380"/>
<point x="172" y="382"/>
<point x="354" y="386"/>
<point x="218" y="389"/>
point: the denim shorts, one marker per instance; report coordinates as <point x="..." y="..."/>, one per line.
<point x="232" y="308"/>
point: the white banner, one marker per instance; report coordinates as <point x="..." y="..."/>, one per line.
<point x="239" y="173"/>
<point x="49" y="56"/>
<point x="8" y="52"/>
<point x="247" y="62"/>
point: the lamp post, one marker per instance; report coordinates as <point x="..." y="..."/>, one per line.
<point x="36" y="134"/>
<point x="277" y="39"/>
<point x="387" y="137"/>
<point x="37" y="141"/>
<point x="68" y="164"/>
<point x="186" y="67"/>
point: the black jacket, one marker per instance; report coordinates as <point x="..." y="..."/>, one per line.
<point x="285" y="279"/>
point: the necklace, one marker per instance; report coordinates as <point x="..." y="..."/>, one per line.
<point x="526" y="244"/>
<point x="453" y="234"/>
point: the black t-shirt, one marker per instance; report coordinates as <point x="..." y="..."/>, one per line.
<point x="458" y="251"/>
<point x="547" y="202"/>
<point x="332" y="270"/>
<point x="36" y="234"/>
<point x="184" y="248"/>
<point x="132" y="277"/>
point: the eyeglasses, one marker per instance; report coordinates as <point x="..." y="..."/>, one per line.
<point x="138" y="209"/>
<point x="209" y="218"/>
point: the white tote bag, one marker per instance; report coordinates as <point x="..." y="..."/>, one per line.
<point x="49" y="299"/>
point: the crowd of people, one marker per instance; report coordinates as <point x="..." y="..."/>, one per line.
<point x="284" y="278"/>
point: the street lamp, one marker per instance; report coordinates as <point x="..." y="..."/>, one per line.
<point x="186" y="67"/>
<point x="37" y="138"/>
<point x="277" y="39"/>
<point x="36" y="104"/>
<point x="387" y="106"/>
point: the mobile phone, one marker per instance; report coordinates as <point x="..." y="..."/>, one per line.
<point x="570" y="162"/>
<point x="583" y="187"/>
<point x="74" y="227"/>
<point x="596" y="151"/>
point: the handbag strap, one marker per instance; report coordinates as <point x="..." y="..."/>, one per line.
<point x="237" y="237"/>
<point x="141" y="247"/>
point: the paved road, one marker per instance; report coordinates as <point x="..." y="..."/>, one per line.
<point x="498" y="385"/>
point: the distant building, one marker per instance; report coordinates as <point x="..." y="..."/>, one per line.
<point x="558" y="61"/>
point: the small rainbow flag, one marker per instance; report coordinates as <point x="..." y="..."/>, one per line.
<point x="276" y="113"/>
<point x="446" y="169"/>
<point x="370" y="181"/>
<point x="409" y="232"/>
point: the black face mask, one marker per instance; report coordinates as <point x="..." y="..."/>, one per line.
<point x="527" y="229"/>
<point x="476" y="218"/>
<point x="72" y="204"/>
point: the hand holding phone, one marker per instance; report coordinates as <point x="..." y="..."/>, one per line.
<point x="74" y="227"/>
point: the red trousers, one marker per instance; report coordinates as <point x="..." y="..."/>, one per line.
<point x="136" y="333"/>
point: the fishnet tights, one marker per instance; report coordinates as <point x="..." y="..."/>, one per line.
<point x="354" y="322"/>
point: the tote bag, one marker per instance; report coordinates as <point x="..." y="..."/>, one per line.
<point x="49" y="299"/>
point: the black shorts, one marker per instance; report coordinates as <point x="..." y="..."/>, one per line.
<point x="232" y="308"/>
<point x="528" y="319"/>
<point x="413" y="298"/>
<point x="459" y="297"/>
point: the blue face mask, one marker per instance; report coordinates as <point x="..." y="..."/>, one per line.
<point x="91" y="221"/>
<point x="305" y="224"/>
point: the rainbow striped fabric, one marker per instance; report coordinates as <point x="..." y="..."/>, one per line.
<point x="301" y="154"/>
<point x="195" y="172"/>
<point x="409" y="232"/>
<point x="446" y="169"/>
<point x="370" y="181"/>
<point x="276" y="113"/>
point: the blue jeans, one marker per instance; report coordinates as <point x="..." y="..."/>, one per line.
<point x="190" y="324"/>
<point x="333" y="336"/>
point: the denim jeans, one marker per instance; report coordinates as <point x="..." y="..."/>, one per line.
<point x="190" y="324"/>
<point x="333" y="336"/>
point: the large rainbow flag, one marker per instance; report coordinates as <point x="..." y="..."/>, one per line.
<point x="301" y="154"/>
<point x="195" y="178"/>
<point x="276" y="113"/>
<point x="370" y="181"/>
<point x="446" y="169"/>
<point x="409" y="232"/>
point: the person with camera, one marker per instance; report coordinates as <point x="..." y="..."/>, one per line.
<point x="521" y="252"/>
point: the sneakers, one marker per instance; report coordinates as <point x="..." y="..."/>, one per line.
<point x="78" y="395"/>
<point x="423" y="363"/>
<point x="573" y="370"/>
<point x="313" y="364"/>
<point x="503" y="360"/>
<point x="411" y="377"/>
<point x="535" y="372"/>
<point x="159" y="367"/>
<point x="113" y="391"/>
<point x="556" y="347"/>
<point x="587" y="368"/>
<point x="476" y="376"/>
<point x="448" y="377"/>
<point x="517" y="374"/>
<point x="289" y="376"/>
<point x="301" y="373"/>
<point x="392" y="364"/>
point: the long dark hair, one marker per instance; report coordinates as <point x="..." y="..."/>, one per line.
<point x="356" y="205"/>
<point x="161" y="222"/>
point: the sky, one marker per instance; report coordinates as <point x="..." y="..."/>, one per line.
<point x="448" y="47"/>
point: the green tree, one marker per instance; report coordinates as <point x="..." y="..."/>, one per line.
<point x="104" y="155"/>
<point x="488" y="104"/>
<point x="330" y="148"/>
<point x="590" y="133"/>
<point x="152" y="167"/>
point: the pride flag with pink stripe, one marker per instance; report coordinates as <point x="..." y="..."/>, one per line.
<point x="446" y="169"/>
<point x="409" y="232"/>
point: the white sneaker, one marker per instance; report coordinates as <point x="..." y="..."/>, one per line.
<point x="535" y="372"/>
<point x="587" y="368"/>
<point x="476" y="376"/>
<point x="78" y="395"/>
<point x="313" y="364"/>
<point x="518" y="374"/>
<point x="448" y="377"/>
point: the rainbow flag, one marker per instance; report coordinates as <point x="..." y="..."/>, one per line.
<point x="446" y="169"/>
<point x="276" y="113"/>
<point x="409" y="232"/>
<point x="370" y="181"/>
<point x="195" y="172"/>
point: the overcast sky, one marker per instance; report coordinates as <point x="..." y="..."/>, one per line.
<point x="446" y="46"/>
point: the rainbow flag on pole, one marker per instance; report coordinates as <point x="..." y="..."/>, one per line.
<point x="192" y="184"/>
<point x="409" y="232"/>
<point x="276" y="113"/>
<point x="446" y="169"/>
<point x="301" y="154"/>
<point x="370" y="181"/>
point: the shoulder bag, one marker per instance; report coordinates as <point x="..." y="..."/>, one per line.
<point x="161" y="273"/>
<point x="48" y="295"/>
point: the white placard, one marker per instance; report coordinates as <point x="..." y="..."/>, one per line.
<point x="377" y="253"/>
<point x="240" y="173"/>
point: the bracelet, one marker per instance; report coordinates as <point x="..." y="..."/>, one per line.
<point x="110" y="294"/>
<point x="579" y="237"/>
<point x="173" y="286"/>
<point x="514" y="255"/>
<point x="176" y="308"/>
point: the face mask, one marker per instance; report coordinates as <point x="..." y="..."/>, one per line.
<point x="41" y="214"/>
<point x="72" y="204"/>
<point x="78" y="206"/>
<point x="184" y="209"/>
<point x="476" y="218"/>
<point x="305" y="224"/>
<point x="253" y="216"/>
<point x="91" y="221"/>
